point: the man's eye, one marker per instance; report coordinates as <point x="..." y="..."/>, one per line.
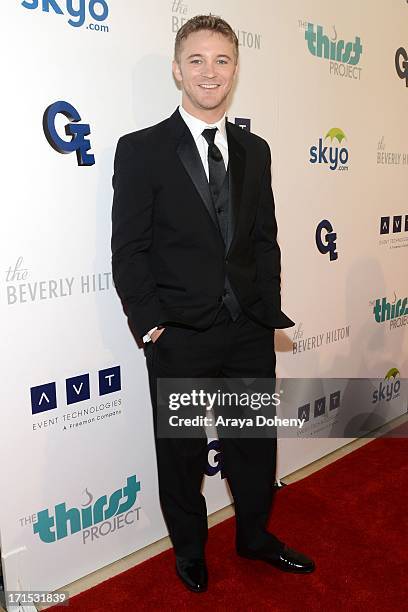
<point x="222" y="61"/>
<point x="196" y="61"/>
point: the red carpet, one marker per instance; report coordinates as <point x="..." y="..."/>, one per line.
<point x="351" y="517"/>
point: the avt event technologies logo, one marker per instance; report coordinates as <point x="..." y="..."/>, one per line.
<point x="334" y="156"/>
<point x="77" y="389"/>
<point x="328" y="243"/>
<point x="396" y="225"/>
<point x="344" y="56"/>
<point x="97" y="10"/>
<point x="395" y="312"/>
<point x="243" y="123"/>
<point x="390" y="389"/>
<point x="76" y="130"/>
<point x="302" y="344"/>
<point x="94" y="519"/>
<point x="401" y="64"/>
<point x="179" y="16"/>
<point x="319" y="414"/>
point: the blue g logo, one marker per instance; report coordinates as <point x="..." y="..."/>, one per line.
<point x="212" y="470"/>
<point x="329" y="243"/>
<point x="76" y="130"/>
<point x="401" y="64"/>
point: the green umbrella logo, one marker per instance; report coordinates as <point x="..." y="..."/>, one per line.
<point x="336" y="133"/>
<point x="393" y="373"/>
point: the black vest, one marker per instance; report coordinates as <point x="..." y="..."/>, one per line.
<point x="221" y="206"/>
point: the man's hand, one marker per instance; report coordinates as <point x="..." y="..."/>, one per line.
<point x="155" y="335"/>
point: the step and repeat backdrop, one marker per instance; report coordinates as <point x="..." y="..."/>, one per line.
<point x="326" y="83"/>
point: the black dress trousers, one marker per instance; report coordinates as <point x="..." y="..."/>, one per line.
<point x="227" y="349"/>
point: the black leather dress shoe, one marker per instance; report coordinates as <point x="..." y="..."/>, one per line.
<point x="287" y="560"/>
<point x="193" y="573"/>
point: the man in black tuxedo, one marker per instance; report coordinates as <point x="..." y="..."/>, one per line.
<point x="197" y="265"/>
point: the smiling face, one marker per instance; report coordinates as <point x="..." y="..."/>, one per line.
<point x="206" y="69"/>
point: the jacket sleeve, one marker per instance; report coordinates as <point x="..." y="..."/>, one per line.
<point x="267" y="251"/>
<point x="132" y="218"/>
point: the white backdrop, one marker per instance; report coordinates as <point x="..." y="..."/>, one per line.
<point x="60" y="314"/>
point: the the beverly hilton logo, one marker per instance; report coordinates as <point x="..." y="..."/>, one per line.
<point x="386" y="157"/>
<point x="302" y="343"/>
<point x="180" y="14"/>
<point x="21" y="288"/>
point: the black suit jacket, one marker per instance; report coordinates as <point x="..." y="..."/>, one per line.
<point x="168" y="257"/>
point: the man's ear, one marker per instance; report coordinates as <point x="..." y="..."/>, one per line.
<point x="177" y="72"/>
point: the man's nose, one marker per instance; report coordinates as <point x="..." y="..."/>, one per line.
<point x="209" y="70"/>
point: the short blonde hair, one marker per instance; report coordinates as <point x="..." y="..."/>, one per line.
<point x="204" y="22"/>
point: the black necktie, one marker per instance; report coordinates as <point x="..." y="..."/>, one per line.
<point x="217" y="174"/>
<point x="216" y="166"/>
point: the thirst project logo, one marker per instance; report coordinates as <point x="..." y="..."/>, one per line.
<point x="394" y="312"/>
<point x="95" y="519"/>
<point x="343" y="56"/>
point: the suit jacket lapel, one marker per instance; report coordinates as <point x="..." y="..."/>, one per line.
<point x="237" y="155"/>
<point x="190" y="157"/>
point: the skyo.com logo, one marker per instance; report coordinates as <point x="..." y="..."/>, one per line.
<point x="94" y="519"/>
<point x="343" y="56"/>
<point x="395" y="312"/>
<point x="390" y="389"/>
<point x="335" y="156"/>
<point x="77" y="11"/>
<point x="76" y="130"/>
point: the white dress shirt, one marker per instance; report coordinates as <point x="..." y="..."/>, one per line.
<point x="196" y="127"/>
